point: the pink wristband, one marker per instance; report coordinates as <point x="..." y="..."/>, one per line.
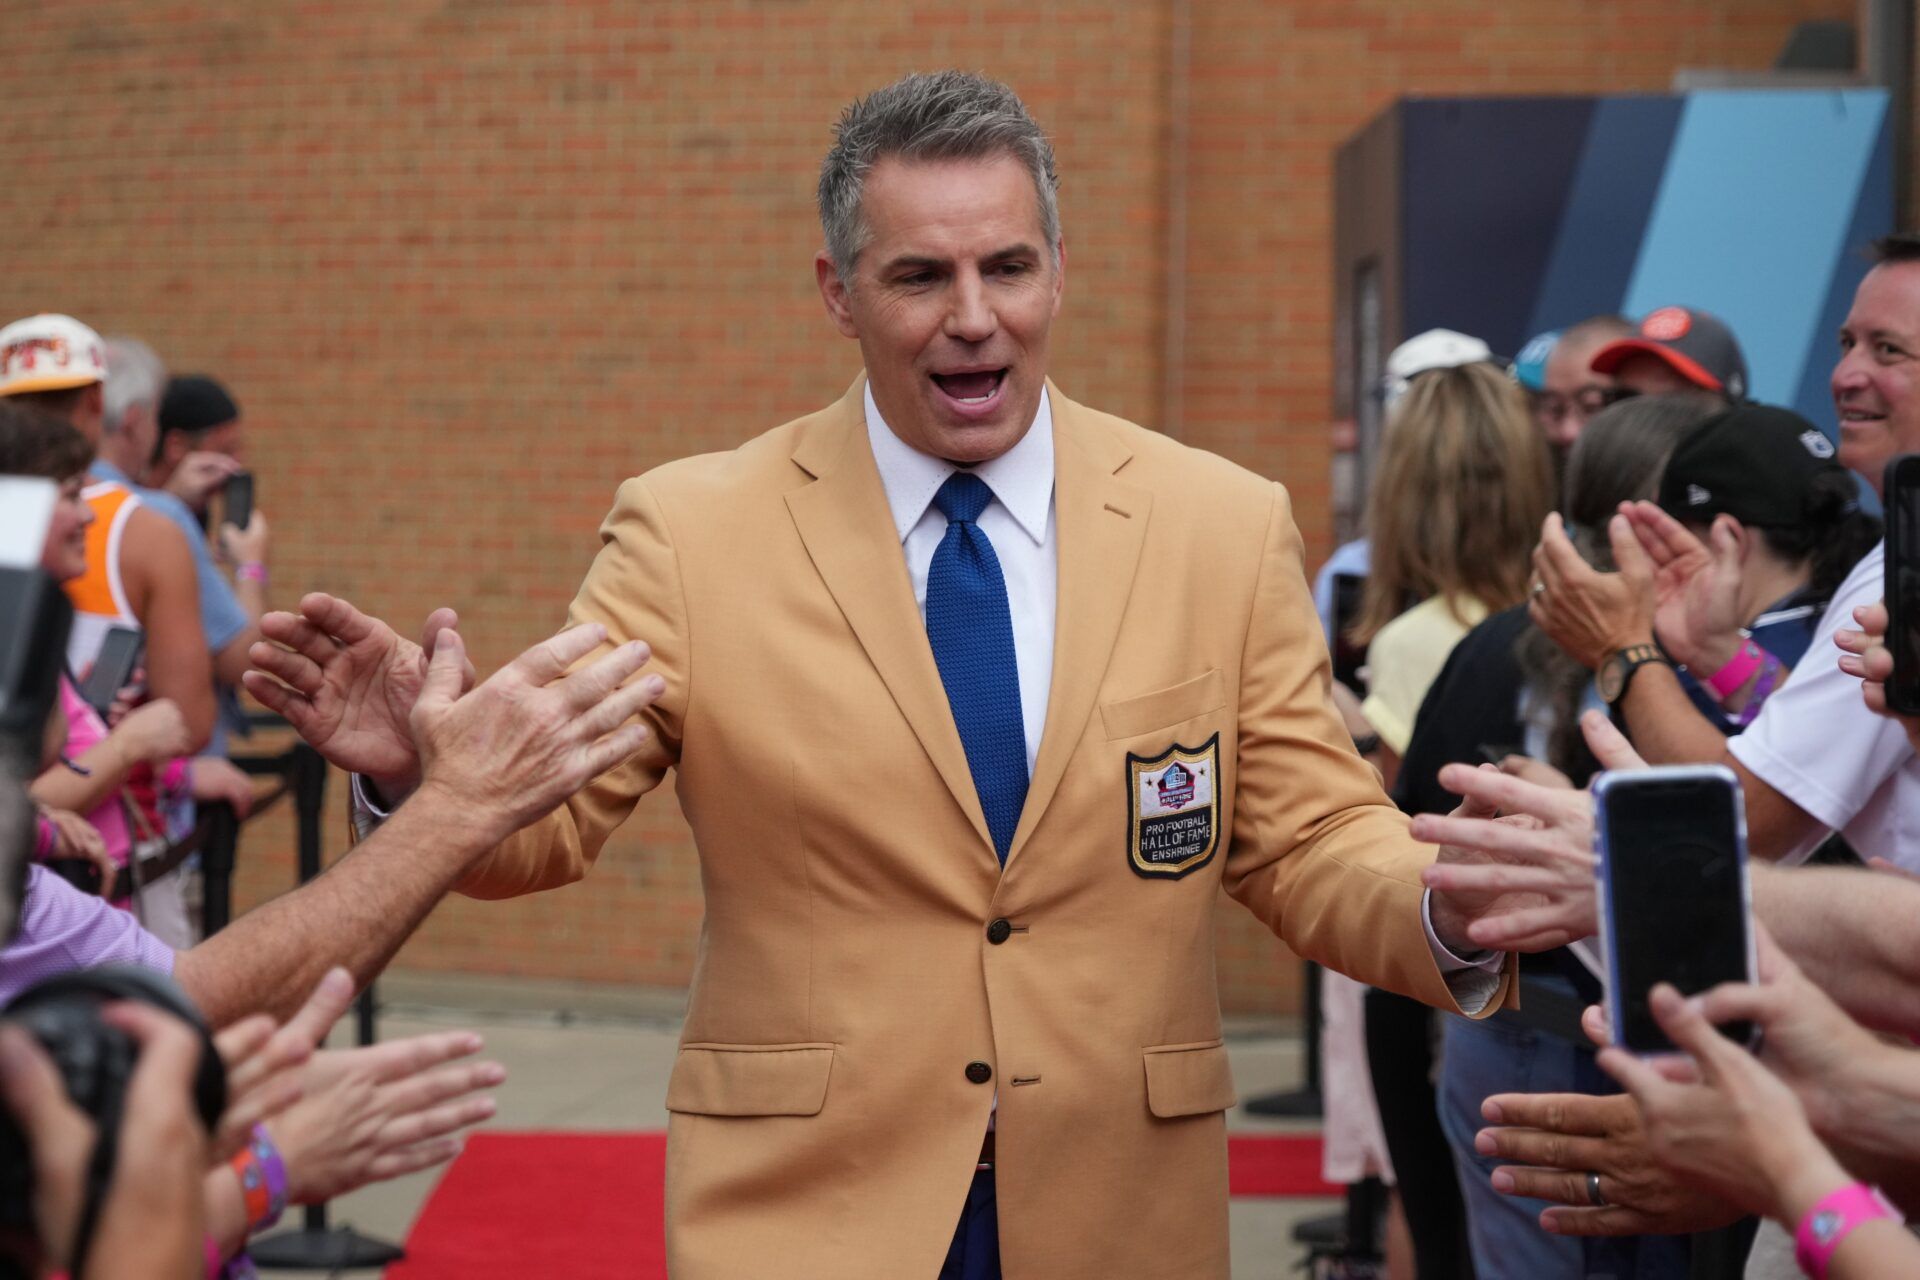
<point x="1833" y="1220"/>
<point x="1738" y="670"/>
<point x="216" y="1265"/>
<point x="251" y="571"/>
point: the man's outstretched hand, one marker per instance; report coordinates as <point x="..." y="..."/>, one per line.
<point x="347" y="682"/>
<point x="1523" y="882"/>
<point x="535" y="732"/>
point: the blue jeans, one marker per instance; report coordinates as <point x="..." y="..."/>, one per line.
<point x="1496" y="1055"/>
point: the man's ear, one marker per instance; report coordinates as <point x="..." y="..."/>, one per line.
<point x="833" y="292"/>
<point x="1059" y="275"/>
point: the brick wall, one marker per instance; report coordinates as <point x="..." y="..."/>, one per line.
<point x="470" y="263"/>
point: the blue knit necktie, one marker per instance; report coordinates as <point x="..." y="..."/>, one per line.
<point x="971" y="631"/>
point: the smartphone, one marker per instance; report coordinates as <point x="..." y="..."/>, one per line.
<point x="113" y="668"/>
<point x="1674" y="906"/>
<point x="1901" y="491"/>
<point x="237" y="499"/>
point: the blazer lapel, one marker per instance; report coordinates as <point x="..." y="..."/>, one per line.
<point x="844" y="520"/>
<point x="1101" y="524"/>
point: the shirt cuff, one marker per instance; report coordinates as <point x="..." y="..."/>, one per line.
<point x="367" y="816"/>
<point x="1473" y="980"/>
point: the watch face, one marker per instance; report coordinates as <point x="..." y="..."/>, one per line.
<point x="1610" y="678"/>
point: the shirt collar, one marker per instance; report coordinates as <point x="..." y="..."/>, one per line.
<point x="1021" y="478"/>
<point x="104" y="470"/>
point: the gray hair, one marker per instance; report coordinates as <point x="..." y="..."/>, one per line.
<point x="948" y="115"/>
<point x="136" y="379"/>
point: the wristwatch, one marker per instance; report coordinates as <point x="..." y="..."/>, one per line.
<point x="1617" y="671"/>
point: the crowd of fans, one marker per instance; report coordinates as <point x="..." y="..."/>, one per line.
<point x="1681" y="604"/>
<point x="1600" y="554"/>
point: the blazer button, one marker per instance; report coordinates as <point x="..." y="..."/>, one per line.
<point x="999" y="931"/>
<point x="979" y="1072"/>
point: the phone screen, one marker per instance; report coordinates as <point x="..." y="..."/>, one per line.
<point x="1673" y="856"/>
<point x="238" y="497"/>
<point x="113" y="668"/>
<point x="1902" y="588"/>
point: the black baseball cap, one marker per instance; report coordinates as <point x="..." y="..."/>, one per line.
<point x="1694" y="344"/>
<point x="195" y="402"/>
<point x="1755" y="462"/>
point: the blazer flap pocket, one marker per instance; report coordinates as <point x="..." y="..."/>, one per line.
<point x="750" y="1079"/>
<point x="1133" y="716"/>
<point x="1189" y="1079"/>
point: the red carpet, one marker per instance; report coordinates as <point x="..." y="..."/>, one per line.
<point x="588" y="1206"/>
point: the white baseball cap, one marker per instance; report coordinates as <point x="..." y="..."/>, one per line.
<point x="1424" y="352"/>
<point x="49" y="352"/>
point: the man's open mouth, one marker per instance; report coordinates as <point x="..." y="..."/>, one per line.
<point x="972" y="389"/>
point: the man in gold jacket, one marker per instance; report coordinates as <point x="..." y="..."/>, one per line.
<point x="957" y="962"/>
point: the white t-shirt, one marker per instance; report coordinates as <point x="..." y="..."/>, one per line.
<point x="1816" y="743"/>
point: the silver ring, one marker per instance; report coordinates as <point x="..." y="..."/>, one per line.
<point x="1539" y="589"/>
<point x="1593" y="1191"/>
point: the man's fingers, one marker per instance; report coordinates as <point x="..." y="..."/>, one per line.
<point x="446" y="673"/>
<point x="292" y="668"/>
<point x="241" y="1040"/>
<point x="395" y="1164"/>
<point x="277" y="698"/>
<point x="1540" y="1147"/>
<point x="1688" y="1028"/>
<point x="592" y="684"/>
<point x="419" y="1126"/>
<point x="1533" y="846"/>
<point x="441" y="1085"/>
<point x="1583" y="1114"/>
<point x="1632" y="562"/>
<point x="555" y="656"/>
<point x="1612" y="1220"/>
<point x="1561" y="1186"/>
<point x="336" y="617"/>
<point x="1556" y="558"/>
<point x="614" y="749"/>
<point x="1497" y="791"/>
<point x="1532" y="929"/>
<point x="622" y="705"/>
<point x="1593" y="1021"/>
<point x="397" y="1059"/>
<point x="1609" y="746"/>
<point x="1872" y="618"/>
<point x="323" y="1008"/>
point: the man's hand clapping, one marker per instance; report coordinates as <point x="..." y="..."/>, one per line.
<point x="347" y="683"/>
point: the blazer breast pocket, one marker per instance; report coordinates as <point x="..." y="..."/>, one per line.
<point x="1165" y="708"/>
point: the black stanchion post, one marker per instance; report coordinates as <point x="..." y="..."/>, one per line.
<point x="318" y="1246"/>
<point x="216" y="868"/>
